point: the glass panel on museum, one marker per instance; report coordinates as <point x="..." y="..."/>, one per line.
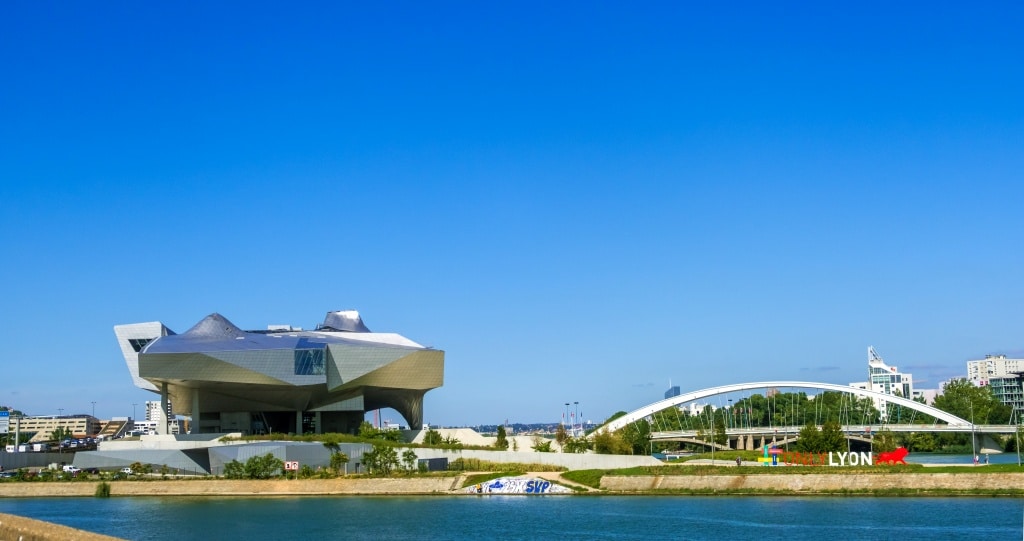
<point x="309" y="362"/>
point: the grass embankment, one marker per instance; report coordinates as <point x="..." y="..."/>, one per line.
<point x="484" y="477"/>
<point x="474" y="464"/>
<point x="333" y="437"/>
<point x="685" y="467"/>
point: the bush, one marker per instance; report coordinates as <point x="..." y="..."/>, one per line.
<point x="103" y="490"/>
<point x="257" y="467"/>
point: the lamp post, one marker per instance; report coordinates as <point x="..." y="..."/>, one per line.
<point x="729" y="424"/>
<point x="974" y="451"/>
<point x="94" y="408"/>
<point x="566" y="417"/>
<point x="133" y="413"/>
<point x="713" y="436"/>
<point x="576" y="415"/>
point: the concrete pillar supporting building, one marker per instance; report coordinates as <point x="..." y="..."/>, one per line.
<point x="161" y="423"/>
<point x="194" y="425"/>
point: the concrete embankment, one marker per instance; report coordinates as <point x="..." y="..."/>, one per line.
<point x="819" y="483"/>
<point x="226" y="487"/>
<point x="27" y="529"/>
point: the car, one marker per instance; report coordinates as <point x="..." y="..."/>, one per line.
<point x="94" y="471"/>
<point x="8" y="474"/>
<point x="127" y="471"/>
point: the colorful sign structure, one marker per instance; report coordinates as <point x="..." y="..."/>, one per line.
<point x="517" y="485"/>
<point x="895" y="456"/>
<point x="836" y="458"/>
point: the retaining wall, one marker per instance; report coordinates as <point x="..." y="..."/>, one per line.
<point x="230" y="487"/>
<point x="818" y="482"/>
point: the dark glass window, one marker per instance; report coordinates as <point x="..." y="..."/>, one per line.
<point x="309" y="362"/>
<point x="139" y="343"/>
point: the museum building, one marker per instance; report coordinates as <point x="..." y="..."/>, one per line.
<point x="282" y="379"/>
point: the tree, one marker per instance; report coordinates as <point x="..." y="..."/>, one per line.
<point x="560" y="434"/>
<point x="453" y="442"/>
<point x="338" y="461"/>
<point x="541" y="445"/>
<point x="576" y="445"/>
<point x="831" y="437"/>
<point x="257" y="467"/>
<point x="809" y="439"/>
<point x="382" y="459"/>
<point x="922" y="442"/>
<point x="263" y="467"/>
<point x="369" y="432"/>
<point x="610" y="443"/>
<point x="409" y="460"/>
<point x="638" y="436"/>
<point x="60" y="434"/>
<point x="433" y="437"/>
<point x="883" y="441"/>
<point x="720" y="437"/>
<point x="501" y="442"/>
<point x="232" y="470"/>
<point x="976" y="404"/>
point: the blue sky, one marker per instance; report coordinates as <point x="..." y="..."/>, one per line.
<point x="576" y="202"/>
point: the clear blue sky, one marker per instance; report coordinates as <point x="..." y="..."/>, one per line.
<point x="577" y="202"/>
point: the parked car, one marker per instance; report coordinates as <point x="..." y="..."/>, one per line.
<point x="127" y="471"/>
<point x="8" y="474"/>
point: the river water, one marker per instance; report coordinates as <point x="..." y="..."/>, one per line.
<point x="534" y="517"/>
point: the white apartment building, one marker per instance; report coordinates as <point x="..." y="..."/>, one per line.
<point x="993" y="366"/>
<point x="1002" y="376"/>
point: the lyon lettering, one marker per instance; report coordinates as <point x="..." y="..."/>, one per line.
<point x="834" y="458"/>
<point x="850" y="459"/>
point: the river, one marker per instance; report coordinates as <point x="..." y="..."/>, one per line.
<point x="534" y="517"/>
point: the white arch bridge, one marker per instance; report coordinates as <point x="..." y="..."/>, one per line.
<point x="952" y="422"/>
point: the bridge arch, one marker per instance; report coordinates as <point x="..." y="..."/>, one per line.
<point x="660" y="405"/>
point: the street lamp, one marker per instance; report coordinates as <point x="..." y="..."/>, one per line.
<point x="729" y="425"/>
<point x="974" y="451"/>
<point x="566" y="414"/>
<point x="133" y="411"/>
<point x="576" y="414"/>
<point x="94" y="408"/>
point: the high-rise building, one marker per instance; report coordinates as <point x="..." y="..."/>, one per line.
<point x="885" y="379"/>
<point x="672" y="391"/>
<point x="1002" y="375"/>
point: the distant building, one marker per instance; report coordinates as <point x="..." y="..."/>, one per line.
<point x="1002" y="376"/>
<point x="80" y="426"/>
<point x="672" y="391"/>
<point x="885" y="379"/>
